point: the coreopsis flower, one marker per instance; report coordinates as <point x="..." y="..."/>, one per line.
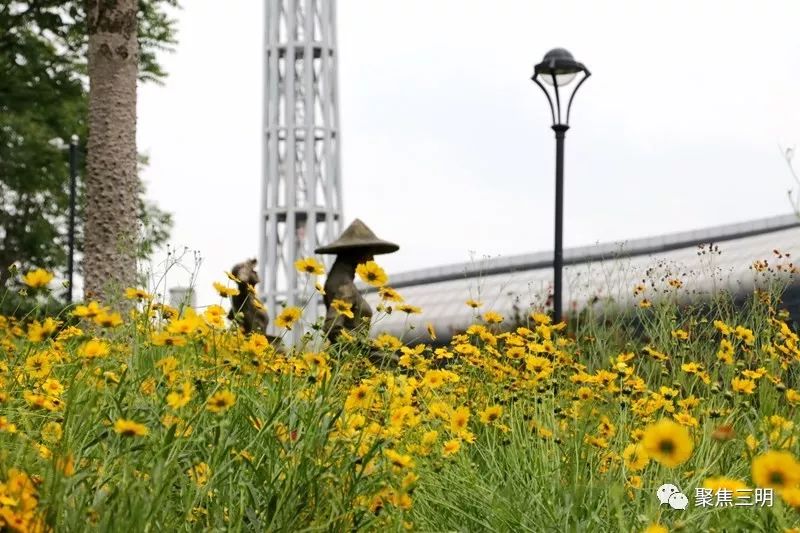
<point x="359" y="397"/>
<point x="451" y="447"/>
<point x="398" y="460"/>
<point x="224" y="291"/>
<point x="95" y="348"/>
<point x="686" y="419"/>
<point x="645" y="303"/>
<point x="133" y="293"/>
<point x="309" y="265"/>
<point x="163" y="338"/>
<point x="491" y="414"/>
<point x="459" y="419"/>
<point x="343" y="308"/>
<point x="409" y="309"/>
<point x="38" y="278"/>
<point x="725" y="352"/>
<point x="319" y="288"/>
<point x="746" y="335"/>
<point x="722" y="327"/>
<point x="388" y="294"/>
<point x="776" y="469"/>
<point x="108" y="319"/>
<point x="792" y="396"/>
<point x="724" y="483"/>
<point x="745" y="386"/>
<point x="680" y="335"/>
<point x="220" y="401"/>
<point x="372" y="274"/>
<point x="490" y="317"/>
<point x="288" y="317"/>
<point x="656" y="528"/>
<point x="635" y="457"/>
<point x="199" y="473"/>
<point x="130" y="428"/>
<point x="52" y="432"/>
<point x="474" y="303"/>
<point x="180" y="397"/>
<point x="37" y="332"/>
<point x="38" y="365"/>
<point x="386" y="341"/>
<point x="668" y="442"/>
<point x="53" y="387"/>
<point x="87" y="311"/>
<point x="431" y="331"/>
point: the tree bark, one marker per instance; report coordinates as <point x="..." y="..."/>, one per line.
<point x="111" y="177"/>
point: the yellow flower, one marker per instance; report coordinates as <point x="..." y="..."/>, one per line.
<point x="680" y="335"/>
<point x="668" y="442"/>
<point x="220" y="401"/>
<point x="635" y="457"/>
<point x="359" y="397"/>
<point x="53" y="387"/>
<point x="490" y="317"/>
<point x="791" y="496"/>
<point x="129" y="428"/>
<point x="224" y="291"/>
<point x="726" y="483"/>
<point x="179" y="398"/>
<point x="38" y="366"/>
<point x="450" y="447"/>
<point x="199" y="473"/>
<point x="388" y="294"/>
<point x="162" y="338"/>
<point x="132" y="293"/>
<point x="108" y="320"/>
<point x="745" y="386"/>
<point x="372" y="274"/>
<point x="745" y="335"/>
<point x="644" y="304"/>
<point x="792" y="396"/>
<point x="319" y="288"/>
<point x="398" y="460"/>
<point x="288" y="317"/>
<point x="343" y="308"/>
<point x="722" y="327"/>
<point x="656" y="528"/>
<point x="540" y="318"/>
<point x="309" y="265"/>
<point x="87" y="311"/>
<point x="686" y="419"/>
<point x="459" y="420"/>
<point x="776" y="469"/>
<point x="37" y="278"/>
<point x="410" y="309"/>
<point x="431" y="331"/>
<point x="491" y="414"/>
<point x="725" y="352"/>
<point x="94" y="348"/>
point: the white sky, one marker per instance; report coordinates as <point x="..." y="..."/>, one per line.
<point x="447" y="148"/>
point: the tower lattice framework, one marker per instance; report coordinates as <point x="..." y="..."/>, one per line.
<point x="301" y="204"/>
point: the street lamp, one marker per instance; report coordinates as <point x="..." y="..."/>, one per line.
<point x="559" y="69"/>
<point x="73" y="175"/>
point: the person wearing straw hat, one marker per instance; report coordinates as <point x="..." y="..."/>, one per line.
<point x="356" y="245"/>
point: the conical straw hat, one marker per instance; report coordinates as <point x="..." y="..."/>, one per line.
<point x="358" y="236"/>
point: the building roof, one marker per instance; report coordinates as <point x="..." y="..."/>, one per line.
<point x="706" y="261"/>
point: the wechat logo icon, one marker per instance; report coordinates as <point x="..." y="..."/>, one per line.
<point x="672" y="496"/>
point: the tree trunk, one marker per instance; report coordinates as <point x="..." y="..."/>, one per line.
<point x="111" y="177"/>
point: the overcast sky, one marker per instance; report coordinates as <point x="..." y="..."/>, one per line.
<point x="446" y="144"/>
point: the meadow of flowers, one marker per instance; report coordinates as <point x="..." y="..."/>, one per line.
<point x="156" y="418"/>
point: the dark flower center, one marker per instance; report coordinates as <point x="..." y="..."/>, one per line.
<point x="666" y="446"/>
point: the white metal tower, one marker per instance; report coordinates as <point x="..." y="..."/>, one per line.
<point x="301" y="198"/>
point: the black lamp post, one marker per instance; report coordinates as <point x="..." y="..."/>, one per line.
<point x="73" y="175"/>
<point x="558" y="69"/>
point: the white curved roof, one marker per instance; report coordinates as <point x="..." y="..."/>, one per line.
<point x="706" y="261"/>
